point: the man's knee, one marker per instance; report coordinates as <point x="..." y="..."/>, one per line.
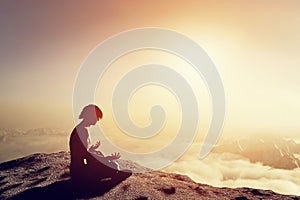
<point x="114" y="165"/>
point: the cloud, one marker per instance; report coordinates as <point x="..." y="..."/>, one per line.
<point x="231" y="170"/>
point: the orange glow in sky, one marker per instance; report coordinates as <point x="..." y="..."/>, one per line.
<point x="255" y="46"/>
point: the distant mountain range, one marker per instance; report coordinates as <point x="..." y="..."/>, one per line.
<point x="17" y="143"/>
<point x="6" y="132"/>
<point x="274" y="151"/>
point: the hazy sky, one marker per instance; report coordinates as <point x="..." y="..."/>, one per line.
<point x="254" y="44"/>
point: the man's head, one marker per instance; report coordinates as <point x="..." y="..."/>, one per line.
<point x="91" y="114"/>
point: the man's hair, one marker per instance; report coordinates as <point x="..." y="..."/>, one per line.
<point x="90" y="111"/>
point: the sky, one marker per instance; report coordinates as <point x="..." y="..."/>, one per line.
<point x="255" y="46"/>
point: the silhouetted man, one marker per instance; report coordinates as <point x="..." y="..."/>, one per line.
<point x="87" y="164"/>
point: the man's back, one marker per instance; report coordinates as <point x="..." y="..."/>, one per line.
<point x="78" y="150"/>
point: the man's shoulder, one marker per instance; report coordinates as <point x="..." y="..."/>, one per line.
<point x="79" y="130"/>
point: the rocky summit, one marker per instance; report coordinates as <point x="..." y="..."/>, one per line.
<point x="46" y="176"/>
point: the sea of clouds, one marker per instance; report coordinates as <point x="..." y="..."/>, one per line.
<point x="231" y="170"/>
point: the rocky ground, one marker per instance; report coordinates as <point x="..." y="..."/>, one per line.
<point x="46" y="176"/>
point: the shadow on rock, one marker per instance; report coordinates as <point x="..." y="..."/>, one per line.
<point x="68" y="189"/>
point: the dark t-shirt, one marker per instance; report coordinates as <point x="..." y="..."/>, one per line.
<point x="78" y="149"/>
<point x="86" y="165"/>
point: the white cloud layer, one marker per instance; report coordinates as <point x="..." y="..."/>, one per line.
<point x="230" y="170"/>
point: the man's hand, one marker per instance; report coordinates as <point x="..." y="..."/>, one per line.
<point x="115" y="156"/>
<point x="95" y="146"/>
